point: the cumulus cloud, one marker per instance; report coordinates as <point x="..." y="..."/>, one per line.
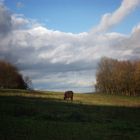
<point x="110" y="19"/>
<point x="58" y="60"/>
<point x="19" y="21"/>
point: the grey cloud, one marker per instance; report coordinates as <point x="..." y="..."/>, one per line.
<point x="58" y="60"/>
<point x="65" y="81"/>
<point x="5" y="20"/>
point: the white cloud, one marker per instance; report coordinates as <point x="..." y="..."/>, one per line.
<point x="59" y="60"/>
<point x="110" y="19"/>
<point x="19" y="21"/>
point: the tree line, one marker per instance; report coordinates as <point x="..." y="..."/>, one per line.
<point x="10" y="78"/>
<point x="118" y="77"/>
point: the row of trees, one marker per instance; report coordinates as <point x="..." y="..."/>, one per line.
<point x="118" y="77"/>
<point x="11" y="78"/>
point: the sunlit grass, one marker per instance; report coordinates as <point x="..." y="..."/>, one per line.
<point x="91" y="99"/>
<point x="35" y="115"/>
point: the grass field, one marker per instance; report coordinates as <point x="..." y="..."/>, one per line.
<point x="46" y="116"/>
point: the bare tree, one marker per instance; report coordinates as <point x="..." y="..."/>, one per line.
<point x="118" y="77"/>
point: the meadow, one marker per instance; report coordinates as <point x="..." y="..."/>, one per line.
<point x="30" y="115"/>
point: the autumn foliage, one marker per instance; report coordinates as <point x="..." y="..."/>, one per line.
<point x="10" y="78"/>
<point x="118" y="77"/>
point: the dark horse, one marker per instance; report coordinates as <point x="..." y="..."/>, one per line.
<point x="68" y="94"/>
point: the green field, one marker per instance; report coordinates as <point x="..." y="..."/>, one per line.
<point x="46" y="116"/>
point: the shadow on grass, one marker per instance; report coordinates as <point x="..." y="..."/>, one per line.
<point x="58" y="110"/>
<point x="47" y="115"/>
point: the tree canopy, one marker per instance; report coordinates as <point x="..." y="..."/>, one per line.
<point x="118" y="77"/>
<point x="10" y="77"/>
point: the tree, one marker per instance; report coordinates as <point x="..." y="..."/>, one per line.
<point x="137" y="78"/>
<point x="118" y="77"/>
<point x="10" y="77"/>
<point x="105" y="76"/>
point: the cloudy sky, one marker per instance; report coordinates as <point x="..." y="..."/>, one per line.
<point x="58" y="43"/>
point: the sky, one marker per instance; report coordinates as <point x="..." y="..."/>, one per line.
<point x="58" y="43"/>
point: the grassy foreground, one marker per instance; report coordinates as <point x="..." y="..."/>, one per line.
<point x="45" y="116"/>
